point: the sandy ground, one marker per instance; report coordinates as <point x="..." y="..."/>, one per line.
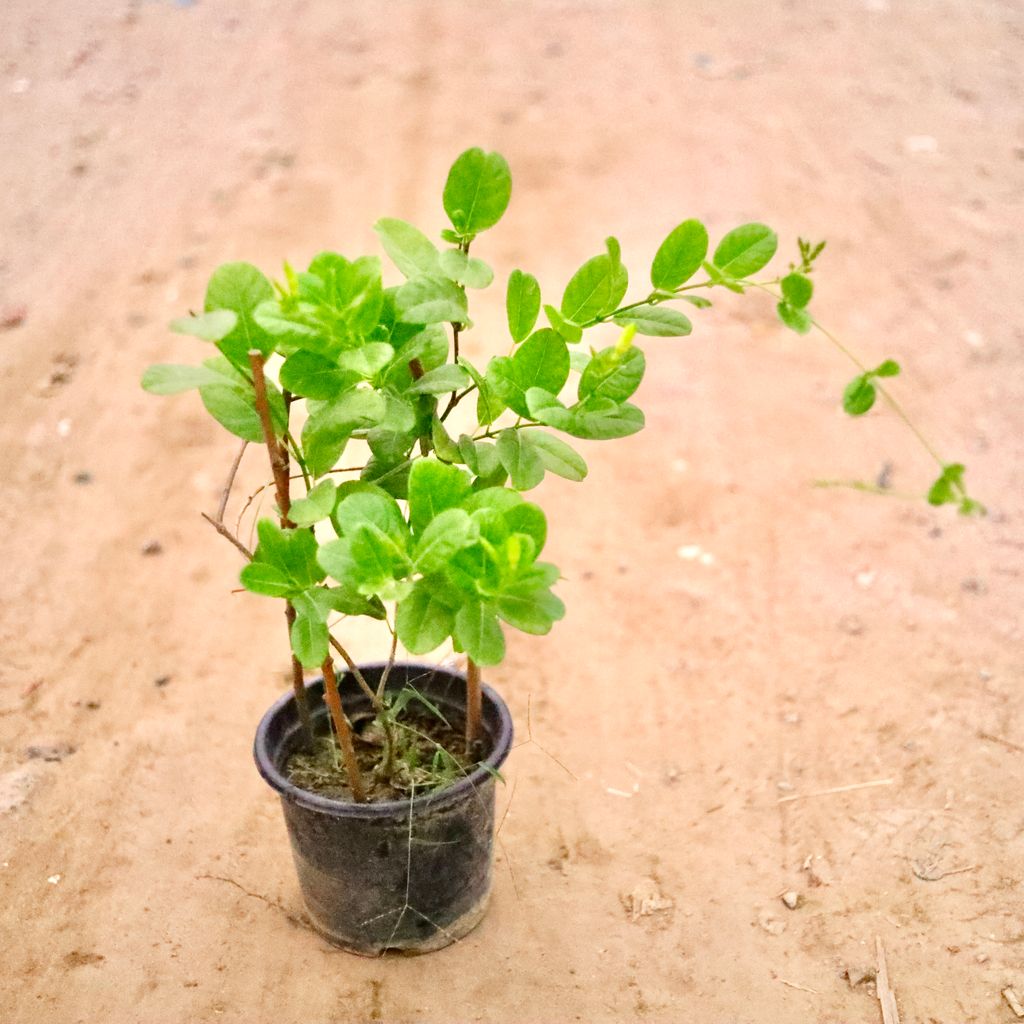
<point x="835" y="639"/>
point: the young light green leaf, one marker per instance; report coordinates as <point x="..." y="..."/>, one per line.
<point x="797" y="290"/>
<point x="478" y="632"/>
<point x="522" y="304"/>
<point x="568" y="330"/>
<point x="315" y="506"/>
<point x="890" y="368"/>
<point x="212" y="326"/>
<point x="465" y="269"/>
<point x="950" y="481"/>
<point x="477" y="191"/>
<point x="434" y="487"/>
<point x="431" y="300"/>
<point x="655" y="321"/>
<point x="859" y="396"/>
<point x="680" y="256"/>
<point x="612" y="374"/>
<point x="520" y="459"/>
<point x="745" y="250"/>
<point x="795" y="319"/>
<point x="169" y="379"/>
<point x="423" y="621"/>
<point x="697" y="301"/>
<point x="595" y="289"/>
<point x="410" y="250"/>
<point x="445" y="535"/>
<point x="488" y="405"/>
<point x="557" y="456"/>
<point x="367" y="360"/>
<point x="449" y="377"/>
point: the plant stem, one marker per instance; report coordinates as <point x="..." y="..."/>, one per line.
<point x="348" y="751"/>
<point x="278" y="454"/>
<point x="356" y="674"/>
<point x="474" y="704"/>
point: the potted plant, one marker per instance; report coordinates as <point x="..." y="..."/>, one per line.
<point x="387" y="772"/>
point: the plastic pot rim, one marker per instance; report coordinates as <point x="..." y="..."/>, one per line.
<point x="276" y="779"/>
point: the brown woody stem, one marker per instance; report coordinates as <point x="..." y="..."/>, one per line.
<point x="278" y="454"/>
<point x="333" y="701"/>
<point x="474" y="704"/>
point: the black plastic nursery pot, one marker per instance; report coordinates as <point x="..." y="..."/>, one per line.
<point x="411" y="875"/>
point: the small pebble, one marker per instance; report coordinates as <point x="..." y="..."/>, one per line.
<point x="161" y="681"/>
<point x="54" y="879"/>
<point x="865" y="579"/>
<point x="152" y="547"/>
<point x="63" y="428"/>
<point x="792" y="899"/>
<point x="49" y="751"/>
<point x="83" y="476"/>
<point x="984" y="675"/>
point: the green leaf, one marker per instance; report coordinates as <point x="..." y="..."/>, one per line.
<point x="613" y="374"/>
<point x="655" y="321"/>
<point x="169" y="379"/>
<point x="795" y="319"/>
<point x="480" y="457"/>
<point x="410" y="250"/>
<point x="568" y="330"/>
<point x="212" y="326"/>
<point x="595" y="289"/>
<point x="374" y="507"/>
<point x="262" y="578"/>
<point x="318" y="504"/>
<point x="532" y="609"/>
<point x="797" y="290"/>
<point x="346" y="601"/>
<point x="488" y="405"/>
<point x="602" y="420"/>
<point x="745" y="250"/>
<point x="431" y="300"/>
<point x="445" y="447"/>
<point x="378" y="559"/>
<point x="547" y="408"/>
<point x="542" y="361"/>
<point x="680" y="256"/>
<point x="291" y="328"/>
<point x="449" y="377"/>
<point x="478" y="633"/>
<point x="445" y="535"/>
<point x="697" y="301"/>
<point x="309" y="632"/>
<point x="467" y="270"/>
<point x="233" y="409"/>
<point x="240" y="287"/>
<point x="522" y="304"/>
<point x="423" y="621"/>
<point x="890" y="368"/>
<point x="434" y="487"/>
<point x="859" y="396"/>
<point x="948" y="488"/>
<point x="477" y="191"/>
<point x="315" y="376"/>
<point x="521" y="460"/>
<point x="367" y="360"/>
<point x="557" y="456"/>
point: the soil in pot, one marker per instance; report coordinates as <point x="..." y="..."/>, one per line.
<point x="430" y="754"/>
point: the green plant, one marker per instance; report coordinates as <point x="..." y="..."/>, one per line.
<point x="429" y="522"/>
